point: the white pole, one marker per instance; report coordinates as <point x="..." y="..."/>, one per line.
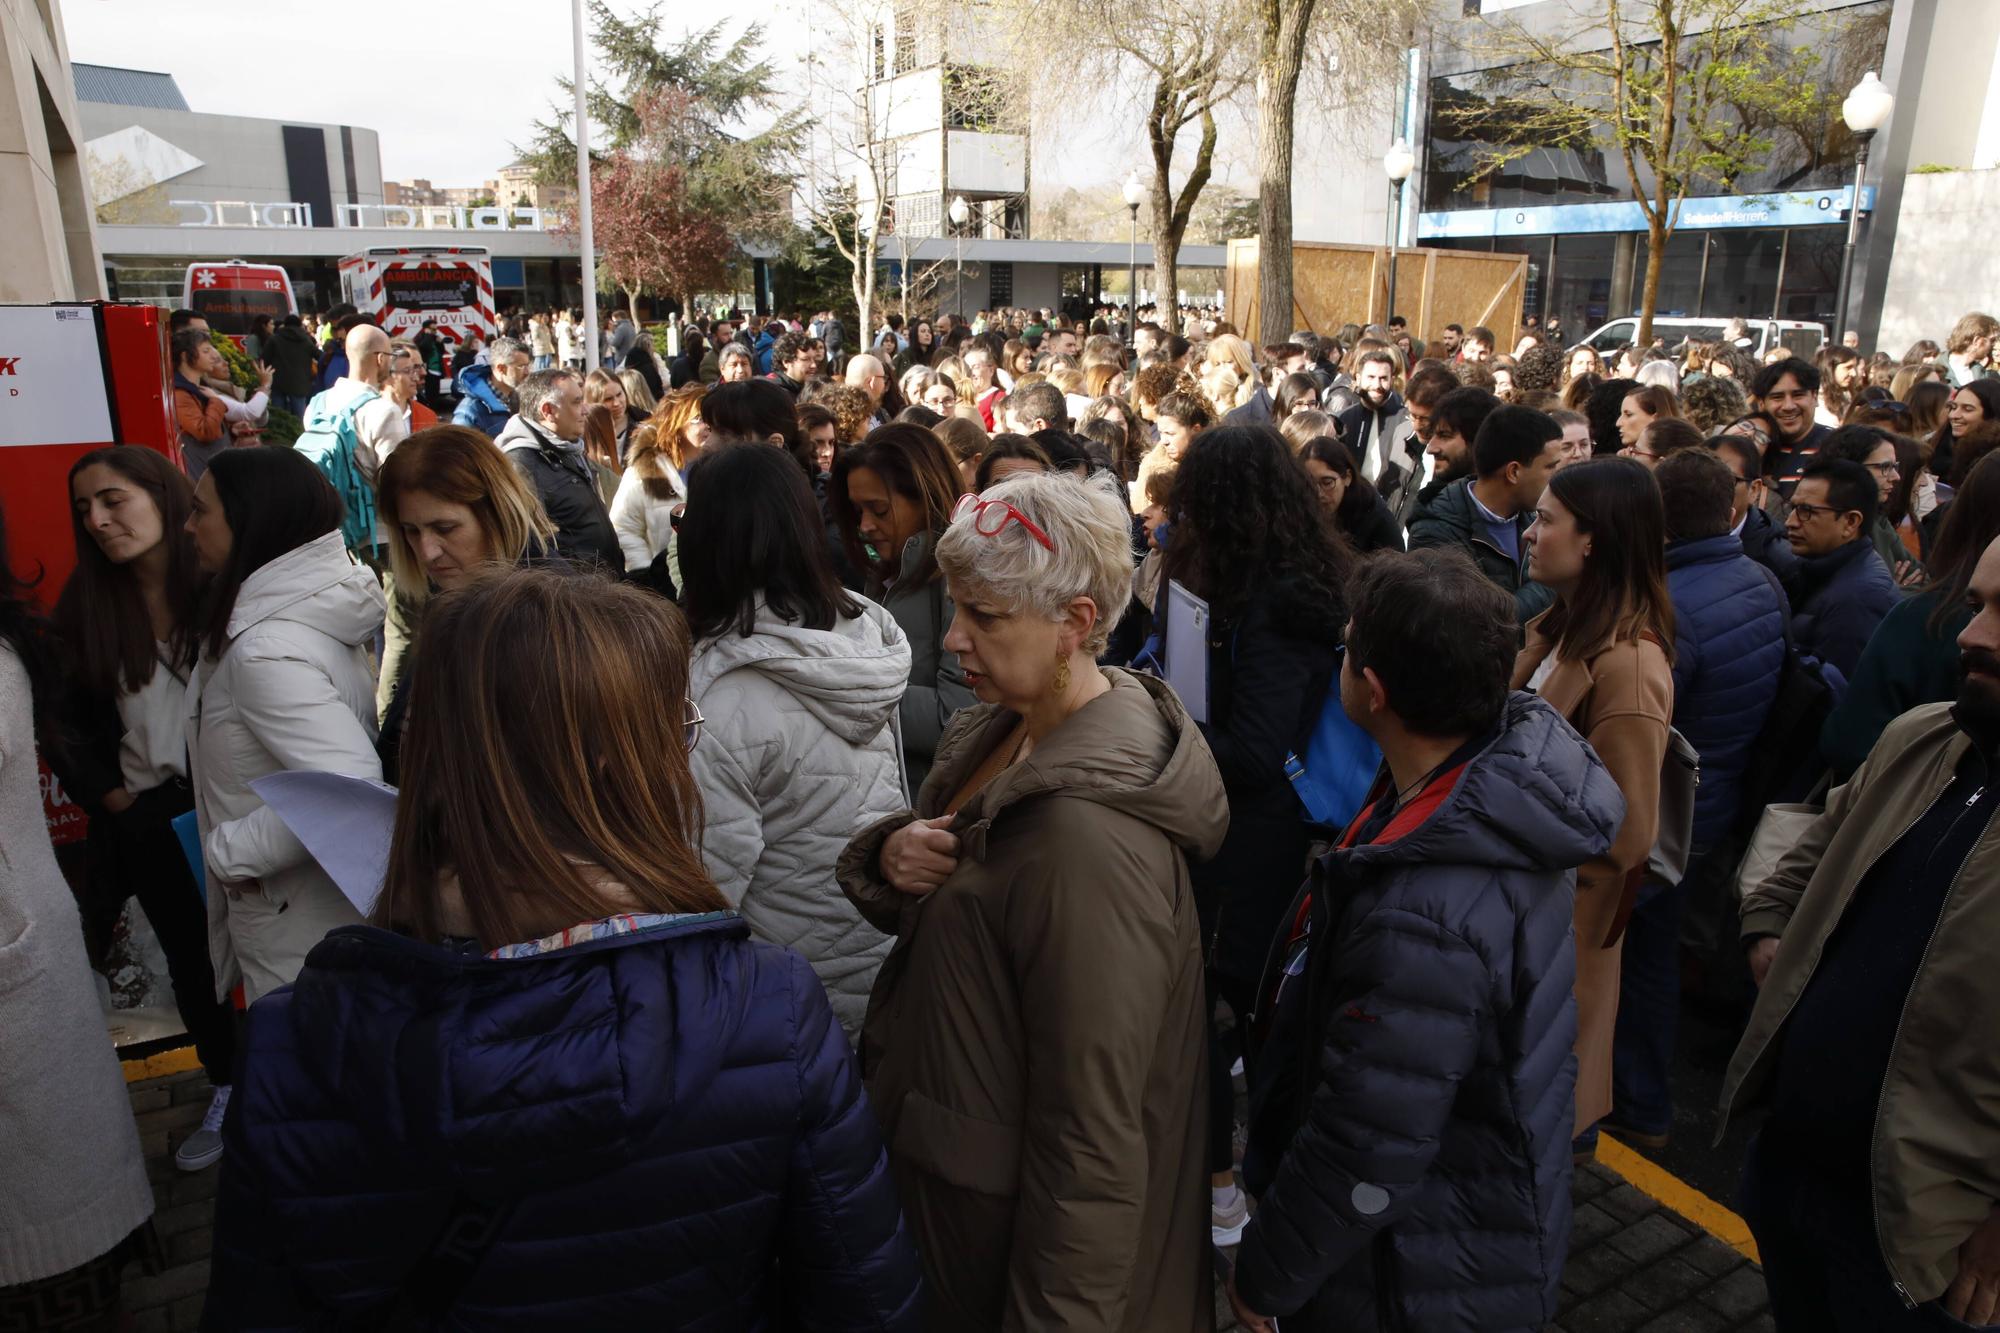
<point x="591" y="354"/>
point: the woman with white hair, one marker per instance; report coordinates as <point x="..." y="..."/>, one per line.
<point x="1034" y="1043"/>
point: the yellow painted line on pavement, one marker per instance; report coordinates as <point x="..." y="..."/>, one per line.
<point x="177" y="1061"/>
<point x="1664" y="1187"/>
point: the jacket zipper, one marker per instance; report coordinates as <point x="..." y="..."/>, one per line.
<point x="1895" y="1042"/>
<point x="1388" y="1316"/>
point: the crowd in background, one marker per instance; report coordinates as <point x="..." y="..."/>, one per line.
<point x="830" y="880"/>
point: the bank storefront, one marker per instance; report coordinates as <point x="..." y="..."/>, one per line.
<point x="1767" y="245"/>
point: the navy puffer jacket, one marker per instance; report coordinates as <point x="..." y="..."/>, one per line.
<point x="1729" y="652"/>
<point x="1418" y="1177"/>
<point x="675" y="1111"/>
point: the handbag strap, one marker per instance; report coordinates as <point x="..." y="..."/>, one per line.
<point x="433" y="1287"/>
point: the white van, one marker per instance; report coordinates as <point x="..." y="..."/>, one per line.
<point x="1801" y="337"/>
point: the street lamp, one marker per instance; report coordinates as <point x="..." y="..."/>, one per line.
<point x="1398" y="162"/>
<point x="1134" y="194"/>
<point x="1865" y="110"/>
<point x="960" y="211"/>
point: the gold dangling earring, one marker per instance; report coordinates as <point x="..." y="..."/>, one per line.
<point x="1062" y="673"/>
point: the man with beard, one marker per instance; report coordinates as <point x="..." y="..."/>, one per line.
<point x="1454" y="423"/>
<point x="1403" y="474"/>
<point x="1874" y="1188"/>
<point x="1377" y="428"/>
<point x="1788" y="391"/>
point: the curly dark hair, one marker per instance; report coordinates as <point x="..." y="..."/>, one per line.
<point x="1540" y="367"/>
<point x="1246" y="517"/>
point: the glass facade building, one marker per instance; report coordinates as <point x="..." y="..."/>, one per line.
<point x="1765" y="244"/>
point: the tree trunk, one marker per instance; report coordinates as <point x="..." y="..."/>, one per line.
<point x="1656" y="255"/>
<point x="632" y="303"/>
<point x="1166" y="260"/>
<point x="1283" y="51"/>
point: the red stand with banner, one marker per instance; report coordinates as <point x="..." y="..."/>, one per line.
<point x="72" y="378"/>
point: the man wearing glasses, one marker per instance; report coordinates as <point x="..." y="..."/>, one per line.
<point x="1843" y="588"/>
<point x="406" y="383"/>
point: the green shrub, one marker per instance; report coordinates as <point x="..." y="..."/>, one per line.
<point x="282" y="428"/>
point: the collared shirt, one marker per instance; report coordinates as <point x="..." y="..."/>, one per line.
<point x="1504" y="531"/>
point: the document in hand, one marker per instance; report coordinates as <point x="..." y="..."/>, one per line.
<point x="1186" y="648"/>
<point x="345" y="822"/>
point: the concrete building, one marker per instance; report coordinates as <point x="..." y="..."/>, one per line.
<point x="421" y="193"/>
<point x="518" y="188"/>
<point x="175" y="186"/>
<point x="1770" y="246"/>
<point x="45" y="213"/>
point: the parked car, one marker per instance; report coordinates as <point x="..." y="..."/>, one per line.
<point x="1802" y="337"/>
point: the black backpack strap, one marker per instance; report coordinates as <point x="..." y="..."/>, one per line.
<point x="433" y="1287"/>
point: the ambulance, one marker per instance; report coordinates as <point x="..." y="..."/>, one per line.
<point x="230" y="294"/>
<point x="401" y="287"/>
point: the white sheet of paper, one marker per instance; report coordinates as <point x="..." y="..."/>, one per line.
<point x="345" y="822"/>
<point x="1187" y="649"/>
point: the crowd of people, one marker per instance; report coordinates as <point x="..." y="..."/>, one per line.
<point x="854" y="848"/>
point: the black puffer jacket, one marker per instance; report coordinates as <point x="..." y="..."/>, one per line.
<point x="562" y="478"/>
<point x="1413" y="1164"/>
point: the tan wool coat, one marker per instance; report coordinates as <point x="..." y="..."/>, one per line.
<point x="1621" y="698"/>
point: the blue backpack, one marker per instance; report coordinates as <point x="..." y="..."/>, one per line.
<point x="1333" y="776"/>
<point x="329" y="439"/>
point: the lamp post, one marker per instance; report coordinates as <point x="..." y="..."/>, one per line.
<point x="960" y="211"/>
<point x="587" y="270"/>
<point x="1135" y="193"/>
<point x="1398" y="163"/>
<point x="1866" y="110"/>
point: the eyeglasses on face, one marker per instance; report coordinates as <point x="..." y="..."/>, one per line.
<point x="1888" y="469"/>
<point x="1808" y="512"/>
<point x="991" y="517"/>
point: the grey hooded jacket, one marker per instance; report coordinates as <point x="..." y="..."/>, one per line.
<point x="800" y="749"/>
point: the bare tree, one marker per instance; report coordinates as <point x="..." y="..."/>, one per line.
<point x="1344" y="55"/>
<point x="1680" y="92"/>
<point x="1174" y="57"/>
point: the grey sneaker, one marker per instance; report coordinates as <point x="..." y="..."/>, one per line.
<point x="203" y="1148"/>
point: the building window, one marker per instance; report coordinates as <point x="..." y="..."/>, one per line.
<point x="1477" y="157"/>
<point x="881" y="50"/>
<point x="906" y="39"/>
<point x="999" y="285"/>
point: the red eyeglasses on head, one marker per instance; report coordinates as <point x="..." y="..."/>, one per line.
<point x="990" y="517"/>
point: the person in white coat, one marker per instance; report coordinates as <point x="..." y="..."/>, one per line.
<point x="799" y="681"/>
<point x="653" y="488"/>
<point x="72" y="1182"/>
<point x="283" y="683"/>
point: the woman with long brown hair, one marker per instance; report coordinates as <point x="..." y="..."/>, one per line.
<point x="892" y="497"/>
<point x="1602" y="656"/>
<point x="652" y="489"/>
<point x="554" y="1041"/>
<point x="127" y="616"/>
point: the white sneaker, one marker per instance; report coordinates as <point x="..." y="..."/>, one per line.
<point x="1226" y="1222"/>
<point x="203" y="1148"/>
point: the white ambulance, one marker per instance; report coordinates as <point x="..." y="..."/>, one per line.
<point x="401" y="287"/>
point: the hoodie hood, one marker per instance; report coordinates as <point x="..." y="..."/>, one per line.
<point x="476" y="382"/>
<point x="1133" y="748"/>
<point x="1535" y="798"/>
<point x="518" y="1072"/>
<point x="850" y="677"/>
<point x="318" y="585"/>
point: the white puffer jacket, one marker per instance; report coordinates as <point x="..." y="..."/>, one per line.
<point x="291" y="690"/>
<point x="799" y="753"/>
